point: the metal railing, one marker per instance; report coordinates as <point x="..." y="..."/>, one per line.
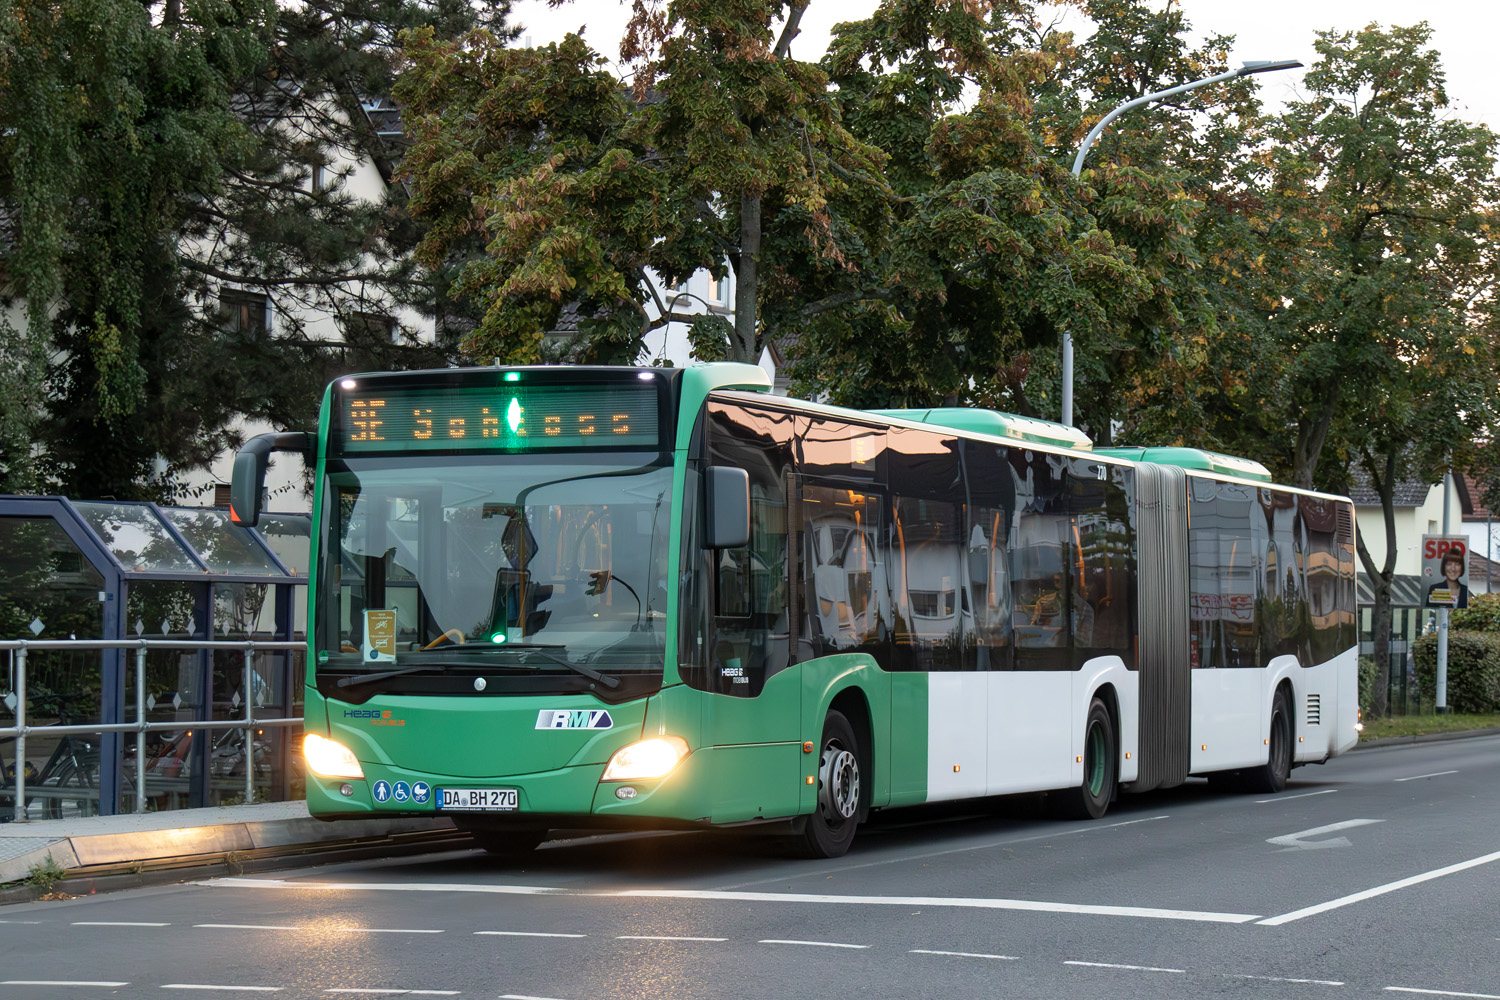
<point x="140" y="726"/>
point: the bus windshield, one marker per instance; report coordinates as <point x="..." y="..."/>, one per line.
<point x="534" y="564"/>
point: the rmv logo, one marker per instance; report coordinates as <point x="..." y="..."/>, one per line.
<point x="557" y="718"/>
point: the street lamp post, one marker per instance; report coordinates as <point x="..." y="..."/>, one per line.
<point x="1245" y="69"/>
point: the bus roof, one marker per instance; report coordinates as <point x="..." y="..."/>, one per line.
<point x="992" y="422"/>
<point x="1194" y="458"/>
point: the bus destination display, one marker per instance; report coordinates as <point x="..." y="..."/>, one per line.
<point x="508" y="418"/>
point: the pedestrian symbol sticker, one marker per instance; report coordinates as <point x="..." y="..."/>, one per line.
<point x="382" y="791"/>
<point x="403" y="791"/>
<point x="419" y="792"/>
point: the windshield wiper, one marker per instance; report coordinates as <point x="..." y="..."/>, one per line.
<point x="354" y="679"/>
<point x="541" y="650"/>
<point x="528" y="647"/>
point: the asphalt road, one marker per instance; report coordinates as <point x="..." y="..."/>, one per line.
<point x="1377" y="875"/>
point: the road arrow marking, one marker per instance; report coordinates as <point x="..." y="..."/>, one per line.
<point x="1298" y="842"/>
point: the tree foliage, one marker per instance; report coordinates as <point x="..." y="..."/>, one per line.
<point x="153" y="155"/>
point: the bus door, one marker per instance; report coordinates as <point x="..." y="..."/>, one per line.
<point x="752" y="714"/>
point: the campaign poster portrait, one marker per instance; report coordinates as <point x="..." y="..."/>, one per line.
<point x="1445" y="570"/>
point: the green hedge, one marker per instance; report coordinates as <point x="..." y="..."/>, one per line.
<point x="1482" y="614"/>
<point x="1473" y="670"/>
<point x="1366" y="682"/>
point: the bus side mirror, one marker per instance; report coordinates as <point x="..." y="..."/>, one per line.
<point x="728" y="503"/>
<point x="249" y="479"/>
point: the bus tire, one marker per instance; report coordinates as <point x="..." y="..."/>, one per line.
<point x="512" y="844"/>
<point x="841" y="791"/>
<point x="1272" y="776"/>
<point x="1101" y="770"/>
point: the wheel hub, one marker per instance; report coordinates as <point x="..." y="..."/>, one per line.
<point x="838" y="794"/>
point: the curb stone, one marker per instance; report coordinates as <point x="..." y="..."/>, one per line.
<point x="1392" y="741"/>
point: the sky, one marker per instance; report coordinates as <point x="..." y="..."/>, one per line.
<point x="1464" y="31"/>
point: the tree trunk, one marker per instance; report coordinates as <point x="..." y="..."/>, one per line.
<point x="1380" y="632"/>
<point x="1383" y="478"/>
<point x="742" y="345"/>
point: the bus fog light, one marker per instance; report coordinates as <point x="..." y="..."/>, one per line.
<point x="625" y="792"/>
<point x="329" y="758"/>
<point x="346" y="789"/>
<point x="653" y="758"/>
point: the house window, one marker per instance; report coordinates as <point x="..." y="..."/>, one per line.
<point x="370" y="328"/>
<point x="721" y="290"/>
<point x="320" y="177"/>
<point x="245" y="313"/>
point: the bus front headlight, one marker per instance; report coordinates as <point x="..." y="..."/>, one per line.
<point x="653" y="758"/>
<point x="329" y="758"/>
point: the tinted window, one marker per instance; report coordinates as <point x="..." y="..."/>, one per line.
<point x="925" y="554"/>
<point x="1222" y="574"/>
<point x="1039" y="560"/>
<point x="991" y="513"/>
<point x="1320" y="615"/>
<point x="847" y="586"/>
<point x="1102" y="570"/>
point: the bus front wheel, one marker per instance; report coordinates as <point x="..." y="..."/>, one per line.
<point x="1091" y="798"/>
<point x="830" y="829"/>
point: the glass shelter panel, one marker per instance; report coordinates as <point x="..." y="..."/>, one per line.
<point x="137" y="537"/>
<point x="223" y="546"/>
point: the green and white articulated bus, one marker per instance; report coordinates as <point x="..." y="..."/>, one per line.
<point x="573" y="597"/>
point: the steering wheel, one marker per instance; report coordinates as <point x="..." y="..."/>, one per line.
<point x="450" y="635"/>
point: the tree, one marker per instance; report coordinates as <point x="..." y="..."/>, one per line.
<point x="1367" y="340"/>
<point x="152" y="156"/>
<point x="581" y="183"/>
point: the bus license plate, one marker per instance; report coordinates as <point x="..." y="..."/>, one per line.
<point x="479" y="799"/>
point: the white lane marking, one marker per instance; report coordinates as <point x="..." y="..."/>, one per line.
<point x="1132" y="968"/>
<point x="815" y="944"/>
<point x="117" y="923"/>
<point x="1298" y="842"/>
<point x="1379" y="890"/>
<point x="386" y="930"/>
<point x="1283" y="979"/>
<point x="251" y="927"/>
<point x="961" y="902"/>
<point x="1419" y="777"/>
<point x="661" y="937"/>
<point x="519" y="996"/>
<point x="276" y="883"/>
<point x="415" y="993"/>
<point x="20" y="921"/>
<point x="988" y="845"/>
<point x="963" y="954"/>
<point x="1288" y="798"/>
<point x="1204" y="916"/>
<point x="55" y="982"/>
<point x="1441" y="993"/>
<point x="528" y="934"/>
<point x="237" y="989"/>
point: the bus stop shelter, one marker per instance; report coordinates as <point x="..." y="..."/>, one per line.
<point x="74" y="569"/>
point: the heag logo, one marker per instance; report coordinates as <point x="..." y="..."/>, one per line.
<point x="586" y="718"/>
<point x="377" y="717"/>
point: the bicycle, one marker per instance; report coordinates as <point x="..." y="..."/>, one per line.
<point x="73" y="765"/>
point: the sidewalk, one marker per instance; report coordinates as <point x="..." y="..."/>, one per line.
<point x="111" y="852"/>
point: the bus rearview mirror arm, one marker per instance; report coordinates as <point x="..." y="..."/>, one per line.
<point x="249" y="479"/>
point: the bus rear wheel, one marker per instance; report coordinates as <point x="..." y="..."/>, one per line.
<point x="830" y="829"/>
<point x="1272" y="776"/>
<point x="1090" y="800"/>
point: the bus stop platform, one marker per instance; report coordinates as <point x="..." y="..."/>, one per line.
<point x="96" y="853"/>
